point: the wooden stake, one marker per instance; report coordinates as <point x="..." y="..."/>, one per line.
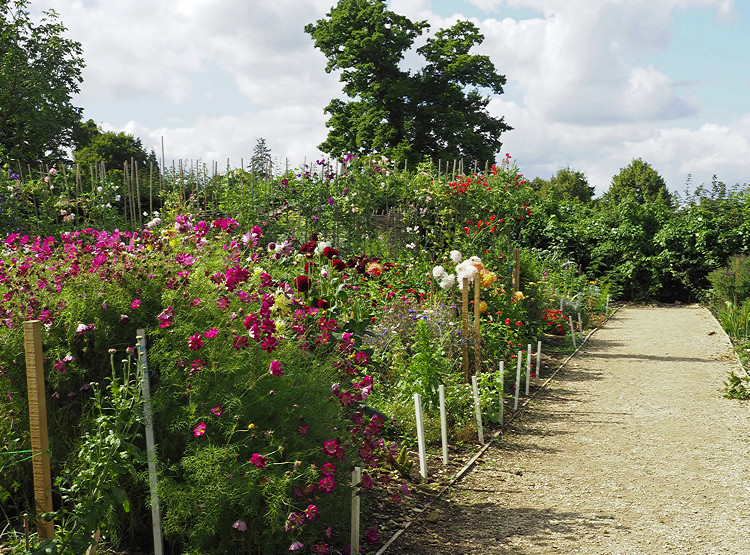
<point x="443" y="423"/>
<point x="150" y="443"/>
<point x="518" y="379"/>
<point x="516" y="270"/>
<point x="502" y="390"/>
<point x="538" y="362"/>
<point x="32" y="339"/>
<point x="477" y="409"/>
<point x="528" y="368"/>
<point x="420" y="436"/>
<point x="465" y="327"/>
<point x="572" y="331"/>
<point x="356" y="479"/>
<point x="477" y="336"/>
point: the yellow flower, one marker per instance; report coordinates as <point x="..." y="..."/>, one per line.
<point x="482" y="307"/>
<point x="518" y="296"/>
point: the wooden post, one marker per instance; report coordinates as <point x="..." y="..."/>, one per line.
<point x="443" y="423"/>
<point x="516" y="270"/>
<point x="477" y="342"/>
<point x="477" y="409"/>
<point x="420" y="436"/>
<point x="538" y="362"/>
<point x="32" y="339"/>
<point x="150" y="443"/>
<point x="356" y="479"/>
<point x="465" y="327"/>
<point x="501" y="386"/>
<point x="518" y="379"/>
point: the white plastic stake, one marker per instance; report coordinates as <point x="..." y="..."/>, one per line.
<point x="606" y="309"/>
<point x="477" y="409"/>
<point x="518" y="379"/>
<point x="538" y="361"/>
<point x="580" y="325"/>
<point x="443" y="423"/>
<point x="150" y="444"/>
<point x="572" y="331"/>
<point x="502" y="390"/>
<point x="356" y="479"/>
<point x="420" y="436"/>
<point x="528" y="368"/>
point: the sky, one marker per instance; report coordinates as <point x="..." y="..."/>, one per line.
<point x="591" y="84"/>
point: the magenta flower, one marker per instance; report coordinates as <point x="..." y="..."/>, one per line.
<point x="296" y="545"/>
<point x="303" y="430"/>
<point x="327" y="484"/>
<point x="240" y="525"/>
<point x="240" y="343"/>
<point x="371" y="535"/>
<point x="275" y="368"/>
<point x="258" y="460"/>
<point x="217" y="411"/>
<point x="311" y="512"/>
<point x="321" y="547"/>
<point x="210" y="334"/>
<point x="328" y="469"/>
<point x="195" y="342"/>
<point x="200" y="429"/>
<point x="136" y="303"/>
<point x="166" y="317"/>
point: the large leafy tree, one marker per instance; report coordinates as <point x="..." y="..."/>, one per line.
<point x="40" y="71"/>
<point x="567" y="184"/>
<point x="114" y="149"/>
<point x="439" y="111"/>
<point x="640" y="180"/>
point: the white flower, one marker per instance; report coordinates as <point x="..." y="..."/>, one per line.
<point x="448" y="282"/>
<point x="438" y="272"/>
<point x="410" y="245"/>
<point x="456" y="257"/>
<point x="321" y="246"/>
<point x="323" y="273"/>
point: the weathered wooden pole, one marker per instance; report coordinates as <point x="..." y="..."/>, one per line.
<point x="465" y="326"/>
<point x="516" y="270"/>
<point x="32" y="340"/>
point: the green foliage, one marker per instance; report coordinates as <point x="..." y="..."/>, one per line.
<point x="426" y="368"/>
<point x="567" y="184"/>
<point x="260" y="162"/>
<point x="732" y="282"/>
<point x="40" y="71"/>
<point x="438" y="111"/>
<point x="737" y="386"/>
<point x="114" y="149"/>
<point x="641" y="181"/>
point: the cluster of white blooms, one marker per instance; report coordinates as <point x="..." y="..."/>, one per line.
<point x="464" y="269"/>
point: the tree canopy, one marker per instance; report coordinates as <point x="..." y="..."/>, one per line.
<point x="40" y="71"/>
<point x="114" y="149"/>
<point x="438" y="111"/>
<point x="567" y="184"/>
<point x="641" y="180"/>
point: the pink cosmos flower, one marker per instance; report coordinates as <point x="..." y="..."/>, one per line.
<point x="311" y="512"/>
<point x="135" y="304"/>
<point x="371" y="535"/>
<point x="303" y="430"/>
<point x="195" y="342"/>
<point x="328" y="469"/>
<point x="200" y="429"/>
<point x="321" y="547"/>
<point x="296" y="545"/>
<point x="327" y="484"/>
<point x="240" y="343"/>
<point x="258" y="460"/>
<point x="240" y="525"/>
<point x="217" y="411"/>
<point x="275" y="368"/>
<point x="211" y="333"/>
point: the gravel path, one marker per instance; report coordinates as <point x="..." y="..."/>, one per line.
<point x="630" y="450"/>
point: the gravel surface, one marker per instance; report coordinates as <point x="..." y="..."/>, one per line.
<point x="630" y="449"/>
